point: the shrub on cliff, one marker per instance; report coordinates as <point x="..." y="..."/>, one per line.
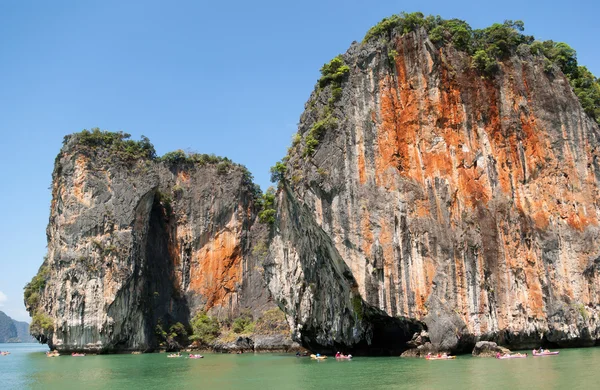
<point x="41" y="323"/>
<point x="243" y="324"/>
<point x="587" y="89"/>
<point x="278" y="172"/>
<point x="267" y="204"/>
<point x="178" y="333"/>
<point x="317" y="132"/>
<point x="334" y="71"/>
<point x="174" y="157"/>
<point x="33" y="289"/>
<point x="205" y="328"/>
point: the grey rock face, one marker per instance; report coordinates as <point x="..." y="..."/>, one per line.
<point x="308" y="276"/>
<point x="137" y="244"/>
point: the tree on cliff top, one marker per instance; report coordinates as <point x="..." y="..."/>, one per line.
<point x="117" y="144"/>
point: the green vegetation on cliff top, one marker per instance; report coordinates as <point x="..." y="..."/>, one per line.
<point x="120" y="146"/>
<point x="490" y="45"/>
<point x="117" y="143"/>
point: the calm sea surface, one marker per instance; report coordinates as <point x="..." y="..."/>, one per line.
<point x="28" y="367"/>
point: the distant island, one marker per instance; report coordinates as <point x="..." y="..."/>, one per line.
<point x="12" y="331"/>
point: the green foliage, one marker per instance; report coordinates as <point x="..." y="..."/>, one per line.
<point x="161" y="334"/>
<point x="165" y="201"/>
<point x="278" y="172"/>
<point x="223" y="167"/>
<point x="484" y="62"/>
<point x="392" y="54"/>
<point x="332" y="74"/>
<point x="486" y="45"/>
<point x="41" y="323"/>
<point x="178" y="157"/>
<point x="501" y="40"/>
<point x="357" y="305"/>
<point x="403" y="23"/>
<point x="336" y="94"/>
<point x="334" y="71"/>
<point x="32" y="290"/>
<point x="267" y="216"/>
<point x="243" y="324"/>
<point x="296" y="138"/>
<point x="261" y="250"/>
<point x="316" y="133"/>
<point x="175" y="157"/>
<point x="559" y="53"/>
<point x="582" y="311"/>
<point x="587" y="89"/>
<point x="454" y="30"/>
<point x="268" y="212"/>
<point x="117" y="143"/>
<point x="178" y="333"/>
<point x="205" y="328"/>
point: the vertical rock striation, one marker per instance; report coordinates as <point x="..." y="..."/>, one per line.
<point x="467" y="202"/>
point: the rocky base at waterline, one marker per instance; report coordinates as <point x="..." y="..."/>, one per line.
<point x="488" y="349"/>
<point x="256" y="343"/>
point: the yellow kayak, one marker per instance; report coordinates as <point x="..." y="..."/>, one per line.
<point x="313" y="356"/>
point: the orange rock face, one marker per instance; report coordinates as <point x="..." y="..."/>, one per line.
<point x="464" y="201"/>
<point x="209" y="232"/>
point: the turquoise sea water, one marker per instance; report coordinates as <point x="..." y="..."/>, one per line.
<point x="28" y="367"/>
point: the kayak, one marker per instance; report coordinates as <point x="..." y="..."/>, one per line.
<point x="318" y="357"/>
<point x="344" y="357"/>
<point x="535" y="353"/>
<point x="52" y="354"/>
<point x="195" y="356"/>
<point x="78" y="354"/>
<point x="440" y="357"/>
<point x="173" y="356"/>
<point x="515" y="356"/>
<point x="5" y="353"/>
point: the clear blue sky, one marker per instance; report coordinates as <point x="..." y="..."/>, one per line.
<point x="223" y="77"/>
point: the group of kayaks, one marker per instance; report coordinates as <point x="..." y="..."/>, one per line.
<point x="518" y="355"/>
<point x="190" y="356"/>
<point x="439" y="356"/>
<point x="341" y="356"/>
<point x="535" y="353"/>
<point x="338" y="356"/>
<point x="57" y="354"/>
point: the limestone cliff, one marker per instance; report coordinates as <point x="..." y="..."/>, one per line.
<point x="430" y="189"/>
<point x="135" y="242"/>
<point x="442" y="189"/>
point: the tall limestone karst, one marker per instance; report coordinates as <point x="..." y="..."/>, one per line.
<point x="448" y="175"/>
<point x="135" y="242"/>
<point x="442" y="179"/>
